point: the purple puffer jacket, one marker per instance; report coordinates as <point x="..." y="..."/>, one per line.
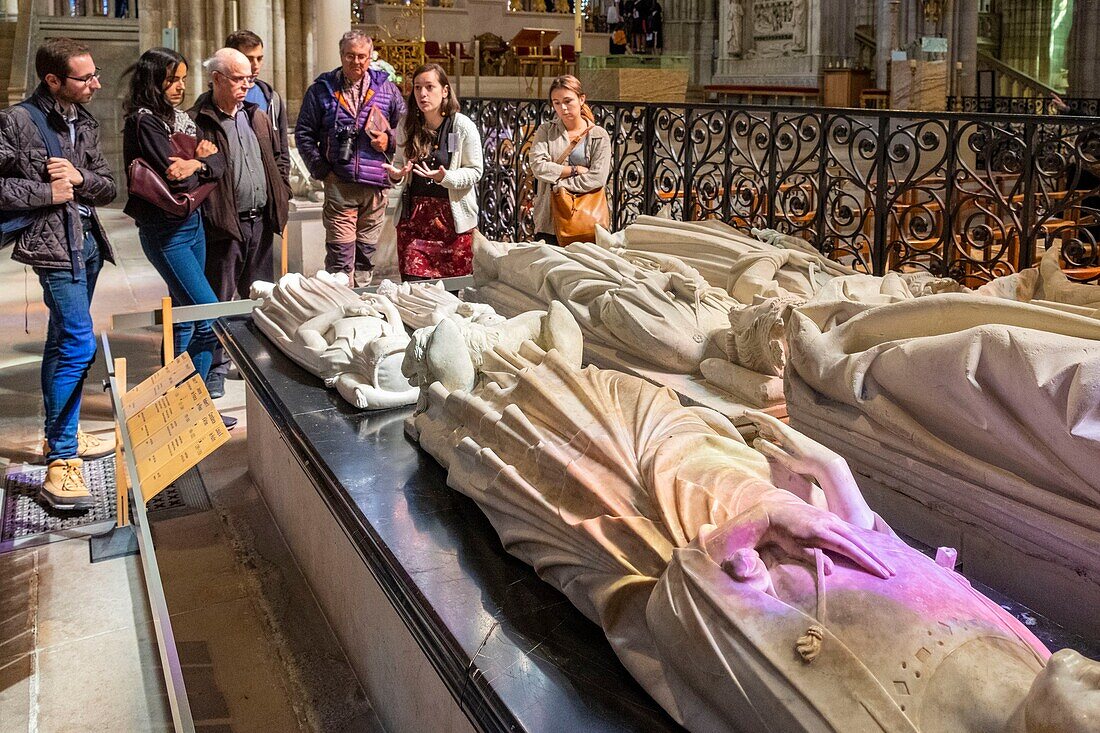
<point x="320" y="116"/>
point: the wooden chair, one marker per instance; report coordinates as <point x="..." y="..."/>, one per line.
<point x="459" y="58"/>
<point x="493" y="51"/>
<point x="434" y="54"/>
<point x="567" y="58"/>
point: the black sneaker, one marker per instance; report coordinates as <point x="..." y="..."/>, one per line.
<point x="229" y="420"/>
<point x="215" y="385"/>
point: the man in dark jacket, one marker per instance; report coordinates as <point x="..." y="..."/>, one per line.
<point x="64" y="243"/>
<point x="262" y="94"/>
<point x="249" y="205"/>
<point x="344" y="144"/>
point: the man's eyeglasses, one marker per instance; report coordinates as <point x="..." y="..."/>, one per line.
<point x="86" y="80"/>
<point x="236" y="80"/>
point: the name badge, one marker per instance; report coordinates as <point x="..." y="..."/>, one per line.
<point x="452" y="142"/>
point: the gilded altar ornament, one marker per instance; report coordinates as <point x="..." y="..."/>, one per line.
<point x="933" y="10"/>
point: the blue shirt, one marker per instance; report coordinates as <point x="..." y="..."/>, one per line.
<point x="70" y="119"/>
<point x="256" y="96"/>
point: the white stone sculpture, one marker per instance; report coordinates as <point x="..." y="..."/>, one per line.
<point x="800" y="16"/>
<point x="735" y="19"/>
<point x="639" y="294"/>
<point x="452" y="351"/>
<point x="728" y="258"/>
<point x="740" y="595"/>
<point x="353" y="342"/>
<point x="1046" y="283"/>
<point x="980" y="415"/>
<point x="1015" y="386"/>
<point x="665" y="314"/>
<point x="425" y="304"/>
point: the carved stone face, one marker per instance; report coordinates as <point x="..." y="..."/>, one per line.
<point x="1065" y="697"/>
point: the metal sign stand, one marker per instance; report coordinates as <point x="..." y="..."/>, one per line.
<point x="164" y="426"/>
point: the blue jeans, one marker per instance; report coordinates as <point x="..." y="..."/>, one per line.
<point x="178" y="252"/>
<point x="70" y="348"/>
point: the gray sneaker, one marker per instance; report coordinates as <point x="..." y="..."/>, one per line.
<point x="215" y="385"/>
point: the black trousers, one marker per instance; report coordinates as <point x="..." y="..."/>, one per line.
<point x="233" y="265"/>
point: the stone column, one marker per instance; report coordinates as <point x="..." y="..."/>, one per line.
<point x="1083" y="54"/>
<point x="332" y="20"/>
<point x="884" y="39"/>
<point x="300" y="61"/>
<point x="196" y="47"/>
<point x="256" y="17"/>
<point x="277" y="65"/>
<point x="966" y="46"/>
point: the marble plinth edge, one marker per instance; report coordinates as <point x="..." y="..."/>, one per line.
<point x="444" y="629"/>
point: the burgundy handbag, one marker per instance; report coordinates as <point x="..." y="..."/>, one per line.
<point x="146" y="183"/>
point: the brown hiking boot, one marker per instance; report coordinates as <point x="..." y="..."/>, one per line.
<point x="88" y="446"/>
<point x="64" y="487"/>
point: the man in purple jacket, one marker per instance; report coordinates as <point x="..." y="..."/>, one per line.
<point x="344" y="143"/>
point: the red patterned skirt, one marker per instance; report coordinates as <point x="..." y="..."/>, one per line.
<point x="427" y="244"/>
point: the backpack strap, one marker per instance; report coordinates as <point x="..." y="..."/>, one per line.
<point x="49" y="137"/>
<point x="53" y="150"/>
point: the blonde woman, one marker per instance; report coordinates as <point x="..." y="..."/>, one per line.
<point x="571" y="151"/>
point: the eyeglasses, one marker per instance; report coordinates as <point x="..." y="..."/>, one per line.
<point x="86" y="80"/>
<point x="235" y="80"/>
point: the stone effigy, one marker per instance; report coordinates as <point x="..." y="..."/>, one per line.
<point x="427" y="303"/>
<point x="982" y="413"/>
<point x="652" y="314"/>
<point x="353" y="342"/>
<point x="739" y="594"/>
<point x="1046" y="284"/>
<point x="667" y="316"/>
<point x="766" y="264"/>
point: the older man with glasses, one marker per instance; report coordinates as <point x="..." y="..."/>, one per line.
<point x="345" y="133"/>
<point x="52" y="176"/>
<point x="249" y="204"/>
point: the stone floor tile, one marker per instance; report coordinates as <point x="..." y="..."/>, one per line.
<point x="109" y="682"/>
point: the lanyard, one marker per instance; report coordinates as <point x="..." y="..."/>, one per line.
<point x="343" y="100"/>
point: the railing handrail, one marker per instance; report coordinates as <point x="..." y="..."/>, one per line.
<point x="970" y="196"/>
<point x="1076" y="106"/>
<point x="808" y="109"/>
<point x="1028" y="82"/>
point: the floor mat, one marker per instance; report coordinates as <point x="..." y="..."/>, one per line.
<point x="24" y="518"/>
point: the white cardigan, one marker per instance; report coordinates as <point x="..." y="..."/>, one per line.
<point x="462" y="175"/>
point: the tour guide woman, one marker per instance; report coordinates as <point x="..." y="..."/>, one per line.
<point x="439" y="151"/>
<point x="588" y="163"/>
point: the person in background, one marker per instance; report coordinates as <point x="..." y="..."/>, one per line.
<point x="249" y="205"/>
<point x="175" y="247"/>
<point x="439" y="153"/>
<point x="617" y="44"/>
<point x="345" y="133"/>
<point x="655" y="29"/>
<point x="639" y="25"/>
<point x="626" y="12"/>
<point x="589" y="162"/>
<point x="611" y="14"/>
<point x="262" y="94"/>
<point x="63" y="241"/>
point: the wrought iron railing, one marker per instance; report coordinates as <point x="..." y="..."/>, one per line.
<point x="1077" y="106"/>
<point x="967" y="196"/>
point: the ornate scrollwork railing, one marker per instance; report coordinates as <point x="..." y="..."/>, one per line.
<point x="962" y="195"/>
<point x="1079" y="106"/>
